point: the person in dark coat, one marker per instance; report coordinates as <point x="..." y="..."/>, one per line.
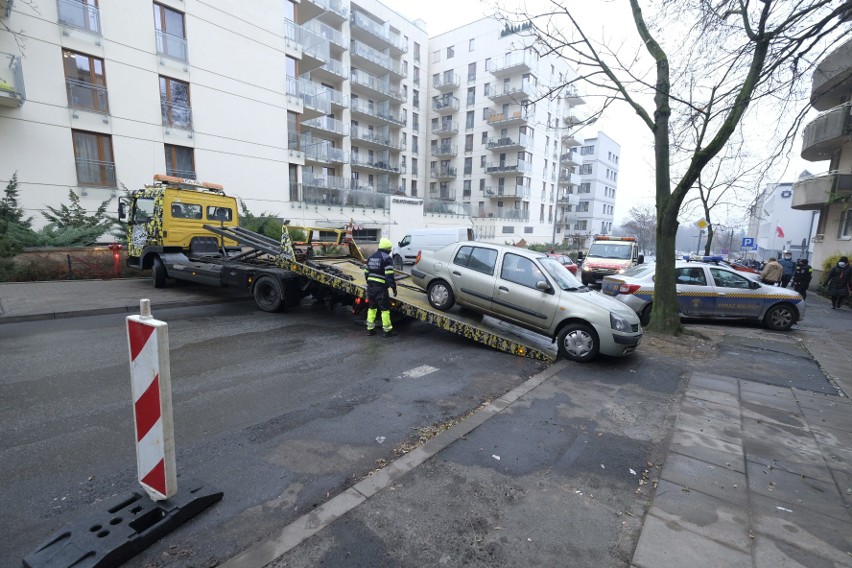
<point x="789" y="266"/>
<point x="380" y="276"/>
<point x="838" y="282"/>
<point x="802" y="277"/>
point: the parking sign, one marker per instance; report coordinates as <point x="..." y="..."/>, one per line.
<point x="748" y="243"/>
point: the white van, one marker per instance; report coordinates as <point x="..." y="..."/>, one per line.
<point x="427" y="240"/>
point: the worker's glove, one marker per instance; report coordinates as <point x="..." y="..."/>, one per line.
<point x="394" y="292"/>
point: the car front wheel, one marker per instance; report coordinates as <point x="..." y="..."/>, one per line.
<point x="645" y="316"/>
<point x="780" y="317"/>
<point x="158" y="273"/>
<point x="440" y="295"/>
<point x="397" y="262"/>
<point x="578" y="342"/>
<point x="268" y="294"/>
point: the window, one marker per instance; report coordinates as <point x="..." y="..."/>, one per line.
<point x="415" y="120"/>
<point x="180" y="162"/>
<point x="415" y="98"/>
<point x="436" y="56"/>
<point x="468" y="166"/>
<point x="414" y="182"/>
<point x="94" y="160"/>
<point x="486" y="89"/>
<point x="451" y="51"/>
<point x="81" y="14"/>
<point x="845" y="228"/>
<point x="181" y="210"/>
<point x="415" y="144"/>
<point x="586" y="169"/>
<point x="484" y="137"/>
<point x="471" y="71"/>
<point x="468" y="119"/>
<point x="477" y="258"/>
<point x="416" y="78"/>
<point x="585" y="187"/>
<point x="170" y="32"/>
<point x="583" y="206"/>
<point x="692" y="275"/>
<point x="85" y="82"/>
<point x="587" y="150"/>
<point x="174" y="102"/>
<point x="466" y="188"/>
<point x="468" y="143"/>
<point x="520" y="270"/>
<point x="471" y="96"/>
<point x="471" y="44"/>
<point x="416" y="53"/>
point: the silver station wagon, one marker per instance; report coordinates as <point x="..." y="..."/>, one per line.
<point x="531" y="290"/>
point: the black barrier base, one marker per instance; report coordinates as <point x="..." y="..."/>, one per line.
<point x="130" y="524"/>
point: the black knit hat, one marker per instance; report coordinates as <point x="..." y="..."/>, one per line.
<point x="843" y="259"/>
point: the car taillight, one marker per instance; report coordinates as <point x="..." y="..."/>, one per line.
<point x="417" y="259"/>
<point x="628" y="288"/>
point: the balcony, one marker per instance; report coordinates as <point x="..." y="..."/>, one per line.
<point x="832" y="80"/>
<point x="501" y="213"/>
<point x="172" y="46"/>
<point x="12" y="92"/>
<point x="330" y="34"/>
<point x="502" y="168"/>
<point x="315" y="103"/>
<point x="512" y="118"/>
<point x="827" y="133"/>
<point x="95" y="173"/>
<point x="444" y="106"/>
<point x="442" y="193"/>
<point x="510" y="192"/>
<point x="375" y="85"/>
<point x="310" y="179"/>
<point x="570" y="141"/>
<point x="572" y="96"/>
<point x="446" y="82"/>
<point x="375" y="61"/>
<point x="327" y="125"/>
<point x="444" y="173"/>
<point x="568" y="159"/>
<point x="344" y="197"/>
<point x="512" y="63"/>
<point x="176" y="115"/>
<point x="815" y="192"/>
<point x="324" y="153"/>
<point x="376" y="31"/>
<point x="332" y="69"/>
<point x="80" y="16"/>
<point x="381" y="111"/>
<point x="512" y="94"/>
<point x="446" y="127"/>
<point x="372" y="137"/>
<point x="508" y="143"/>
<point x="315" y="48"/>
<point x="567" y="179"/>
<point x="445" y="150"/>
<point x="336" y="10"/>
<point x="83" y="95"/>
<point x="377" y="163"/>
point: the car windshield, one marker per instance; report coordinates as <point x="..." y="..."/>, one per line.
<point x="610" y="250"/>
<point x="563" y="277"/>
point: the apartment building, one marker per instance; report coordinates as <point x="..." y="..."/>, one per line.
<point x="827" y="137"/>
<point x="319" y="111"/>
<point x="596" y="163"/>
<point x="776" y="226"/>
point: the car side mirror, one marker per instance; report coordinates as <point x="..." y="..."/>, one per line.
<point x="581" y="255"/>
<point x="543" y="286"/>
<point x="754" y="284"/>
<point x="122" y="214"/>
<point x="641" y="259"/>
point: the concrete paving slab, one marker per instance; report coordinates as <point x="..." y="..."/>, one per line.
<point x="697" y="475"/>
<point x="668" y="545"/>
<point x="755" y="387"/>
<point x="703" y="407"/>
<point x="768" y="453"/>
<point x="837" y="420"/>
<point x="718" y="520"/>
<point x="719" y="383"/>
<point x="790" y="437"/>
<point x="784" y="402"/>
<point x="819" y="401"/>
<point x="843" y="479"/>
<point x="721" y="429"/>
<point x="708" y="449"/>
<point x="761" y="413"/>
<point x="835" y="447"/>
<point x="722" y="398"/>
<point x="798" y="492"/>
<point x="775" y="553"/>
<point x="805" y="529"/>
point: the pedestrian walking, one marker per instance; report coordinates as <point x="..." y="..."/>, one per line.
<point x="802" y="277"/>
<point x="380" y="276"/>
<point x="789" y="266"/>
<point x="771" y="273"/>
<point x="838" y="282"/>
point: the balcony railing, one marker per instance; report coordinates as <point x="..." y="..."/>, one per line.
<point x="515" y="191"/>
<point x="505" y="142"/>
<point x="184" y="174"/>
<point x="377" y="58"/>
<point x="310" y="179"/>
<point x="172" y="46"/>
<point x="445" y="105"/>
<point x="83" y="95"/>
<point x="325" y="153"/>
<point x="501" y="213"/>
<point x="176" y="115"/>
<point x="443" y="193"/>
<point x="814" y="192"/>
<point x="338" y="7"/>
<point x="498" y="117"/>
<point x="380" y="31"/>
<point x="95" y="173"/>
<point x="444" y="172"/>
<point x="344" y="197"/>
<point x="380" y="137"/>
<point x="445" y="150"/>
<point x="327" y="124"/>
<point x="446" y="127"/>
<point x="330" y="34"/>
<point x="827" y="133"/>
<point x="79" y="15"/>
<point x="334" y="67"/>
<point x="444" y="82"/>
<point x="569" y="159"/>
<point x="512" y="93"/>
<point x="381" y="86"/>
<point x="497" y="168"/>
<point x="512" y="62"/>
<point x="376" y="163"/>
<point x="382" y="111"/>
<point x="12" y="92"/>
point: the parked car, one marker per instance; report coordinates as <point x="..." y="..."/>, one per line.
<point x="719" y="259"/>
<point x="565" y="261"/>
<point x="711" y="291"/>
<point x="531" y="290"/>
<point x="405" y="252"/>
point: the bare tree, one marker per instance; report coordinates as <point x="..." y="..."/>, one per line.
<point x="642" y="224"/>
<point x="698" y="67"/>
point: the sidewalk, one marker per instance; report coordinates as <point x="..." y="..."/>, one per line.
<point x="753" y="475"/>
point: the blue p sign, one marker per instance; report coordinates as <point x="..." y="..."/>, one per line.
<point x="748" y="242"/>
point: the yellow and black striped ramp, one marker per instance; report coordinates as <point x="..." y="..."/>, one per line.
<point x="412" y="302"/>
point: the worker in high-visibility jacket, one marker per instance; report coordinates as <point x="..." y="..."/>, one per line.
<point x="380" y="276"/>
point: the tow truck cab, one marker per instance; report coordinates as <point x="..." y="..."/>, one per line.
<point x="609" y="255"/>
<point x="169" y="215"/>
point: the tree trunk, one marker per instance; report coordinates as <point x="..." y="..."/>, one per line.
<point x="665" y="317"/>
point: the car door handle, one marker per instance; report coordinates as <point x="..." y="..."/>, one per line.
<point x="720" y="293"/>
<point x="456" y="273"/>
<point x="503" y="289"/>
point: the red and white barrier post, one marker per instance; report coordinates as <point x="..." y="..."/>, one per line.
<point x="150" y="378"/>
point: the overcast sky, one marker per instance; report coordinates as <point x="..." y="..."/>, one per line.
<point x="636" y="173"/>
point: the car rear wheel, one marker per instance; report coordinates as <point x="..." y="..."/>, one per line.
<point x="268" y="294"/>
<point x="780" y="317"/>
<point x="158" y="273"/>
<point x="440" y="295"/>
<point x="397" y="262"/>
<point x="645" y="316"/>
<point x="578" y="342"/>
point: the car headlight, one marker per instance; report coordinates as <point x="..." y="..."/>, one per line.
<point x="587" y="268"/>
<point x="618" y="324"/>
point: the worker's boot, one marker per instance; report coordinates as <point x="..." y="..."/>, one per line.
<point x="390" y="333"/>
<point x="371" y="332"/>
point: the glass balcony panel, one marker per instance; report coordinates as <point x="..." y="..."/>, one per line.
<point x="446" y="82"/>
<point x="83" y="95"/>
<point x="501" y="213"/>
<point x="444" y="172"/>
<point x="446" y="127"/>
<point x="311" y="179"/>
<point x="185" y="174"/>
<point x="79" y="15"/>
<point x="496" y="168"/>
<point x="95" y="173"/>
<point x="327" y="124"/>
<point x="445" y="150"/>
<point x="325" y="153"/>
<point x="377" y="58"/>
<point x="380" y="31"/>
<point x="172" y="46"/>
<point x="12" y="92"/>
<point x="330" y="34"/>
<point x="176" y="115"/>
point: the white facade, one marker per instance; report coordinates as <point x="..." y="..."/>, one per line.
<point x="777" y="227"/>
<point x="320" y="111"/>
